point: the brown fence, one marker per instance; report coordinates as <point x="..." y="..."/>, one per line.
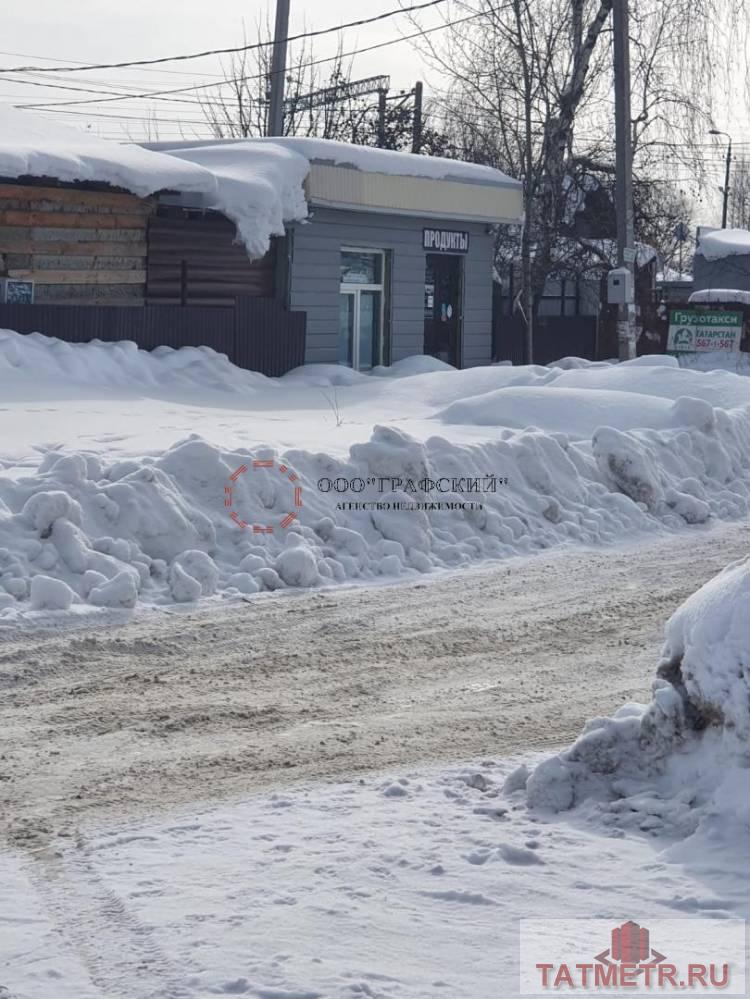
<point x="554" y="337"/>
<point x="259" y="333"/>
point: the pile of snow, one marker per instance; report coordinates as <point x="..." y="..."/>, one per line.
<point x="523" y="459"/>
<point x="679" y="766"/>
<point x="36" y="146"/>
<point x="259" y="185"/>
<point x="156" y="529"/>
<point x="49" y="365"/>
<point x="737" y="361"/>
<point x="723" y="243"/>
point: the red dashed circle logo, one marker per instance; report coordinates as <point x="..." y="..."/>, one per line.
<point x="295" y="495"/>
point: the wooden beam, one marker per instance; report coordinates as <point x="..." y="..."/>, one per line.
<point x="124" y="202"/>
<point x="77" y="262"/>
<point x="72" y="220"/>
<point x="80" y="277"/>
<point x="97" y="249"/>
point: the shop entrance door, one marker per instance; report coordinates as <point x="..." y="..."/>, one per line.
<point x="442" y="307"/>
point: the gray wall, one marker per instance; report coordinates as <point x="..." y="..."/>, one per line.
<point x="314" y="280"/>
<point x="727" y="272"/>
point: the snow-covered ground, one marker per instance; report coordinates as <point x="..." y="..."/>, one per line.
<point x="123" y="470"/>
<point x="411" y="883"/>
<point x="408" y="885"/>
<point x="404" y="883"/>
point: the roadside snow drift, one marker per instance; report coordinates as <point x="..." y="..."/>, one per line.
<point x="579" y="453"/>
<point x="679" y="766"/>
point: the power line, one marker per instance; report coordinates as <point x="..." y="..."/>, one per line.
<point x="88" y="65"/>
<point x="260" y="76"/>
<point x="230" y="51"/>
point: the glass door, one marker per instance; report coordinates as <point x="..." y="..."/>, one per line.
<point x="347" y="325"/>
<point x="361" y="308"/>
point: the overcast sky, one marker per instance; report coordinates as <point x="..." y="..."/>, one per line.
<point x="50" y="33"/>
<point x="102" y="31"/>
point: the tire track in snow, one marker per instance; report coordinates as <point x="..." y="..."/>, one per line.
<point x="118" y="951"/>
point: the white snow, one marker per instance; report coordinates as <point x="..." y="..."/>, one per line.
<point x="723" y="295"/>
<point x="260" y="182"/>
<point x="259" y="186"/>
<point x="368" y="159"/>
<point x="717" y="360"/>
<point x="50" y="594"/>
<point x="36" y="146"/>
<point x="722" y="243"/>
<point x="679" y="767"/>
<point x="118" y="468"/>
<point x="402" y="885"/>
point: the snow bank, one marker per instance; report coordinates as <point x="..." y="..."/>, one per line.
<point x="36" y="146"/>
<point x="590" y="454"/>
<point x="536" y="406"/>
<point x="679" y="766"/>
<point x="48" y="365"/>
<point x="717" y="360"/>
<point x="259" y="186"/>
<point x="157" y="529"/>
<point x="723" y="243"/>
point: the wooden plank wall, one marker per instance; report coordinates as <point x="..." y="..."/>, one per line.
<point x="193" y="259"/>
<point x="80" y="247"/>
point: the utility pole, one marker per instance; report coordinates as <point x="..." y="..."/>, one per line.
<point x="278" y="69"/>
<point x="381" y="117"/>
<point x="624" y="176"/>
<point x="416" y="142"/>
<point x="725" y="205"/>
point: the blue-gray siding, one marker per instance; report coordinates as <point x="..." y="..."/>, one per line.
<point x="314" y="280"/>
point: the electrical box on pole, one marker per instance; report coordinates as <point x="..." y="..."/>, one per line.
<point x="620" y="286"/>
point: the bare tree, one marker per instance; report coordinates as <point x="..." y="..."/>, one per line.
<point x="240" y="108"/>
<point x="529" y="90"/>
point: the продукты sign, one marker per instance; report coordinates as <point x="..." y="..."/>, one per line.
<point x="445" y="241"/>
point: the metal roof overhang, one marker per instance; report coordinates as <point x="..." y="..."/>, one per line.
<point x="331" y="186"/>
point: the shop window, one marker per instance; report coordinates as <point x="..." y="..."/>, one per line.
<point x="361" y="342"/>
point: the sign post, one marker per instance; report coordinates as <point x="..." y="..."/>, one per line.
<point x="691" y="330"/>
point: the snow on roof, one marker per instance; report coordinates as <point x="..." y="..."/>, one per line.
<point x="723" y="243"/>
<point x="32" y="146"/>
<point x="260" y="181"/>
<point x="365" y="158"/>
<point x="721" y="295"/>
<point x="259" y="193"/>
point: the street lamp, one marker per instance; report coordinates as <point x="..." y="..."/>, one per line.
<point x="717" y="131"/>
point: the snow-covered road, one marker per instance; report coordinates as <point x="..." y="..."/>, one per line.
<point x="194" y="706"/>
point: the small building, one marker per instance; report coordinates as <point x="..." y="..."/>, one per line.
<point x="722" y="260"/>
<point x="395" y="254"/>
<point x="275" y="252"/>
